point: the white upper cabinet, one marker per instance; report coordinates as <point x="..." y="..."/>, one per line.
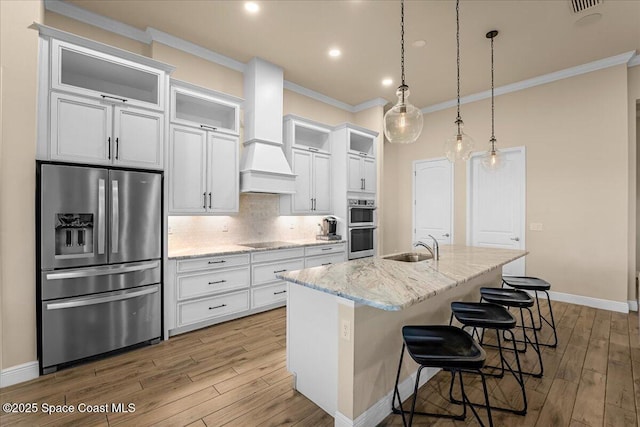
<point x="139" y="136"/>
<point x="204" y="151"/>
<point x="307" y="146"/>
<point x="361" y="143"/>
<point x="369" y="175"/>
<point x="208" y="110"/>
<point x="96" y="74"/>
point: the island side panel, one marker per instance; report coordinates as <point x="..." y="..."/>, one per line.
<point x="312" y="344"/>
<point x="378" y="341"/>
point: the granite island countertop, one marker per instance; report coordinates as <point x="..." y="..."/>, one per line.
<point x="394" y="285"/>
<point x="192" y="251"/>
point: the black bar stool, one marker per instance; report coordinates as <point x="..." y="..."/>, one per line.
<point x="491" y="316"/>
<point x="536" y="285"/>
<point x="514" y="298"/>
<point x="445" y="347"/>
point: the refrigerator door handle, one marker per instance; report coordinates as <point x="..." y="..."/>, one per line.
<point x="115" y="219"/>
<point x="101" y="300"/>
<point x="102" y="271"/>
<point x="101" y="216"/>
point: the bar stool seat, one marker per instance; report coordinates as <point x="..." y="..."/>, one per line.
<point x="507" y="297"/>
<point x="446" y="347"/>
<point x="536" y="285"/>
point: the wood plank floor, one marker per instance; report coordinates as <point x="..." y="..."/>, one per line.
<point x="235" y="374"/>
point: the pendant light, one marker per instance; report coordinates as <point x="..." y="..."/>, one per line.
<point x="492" y="160"/>
<point x="403" y="122"/>
<point x="459" y="145"/>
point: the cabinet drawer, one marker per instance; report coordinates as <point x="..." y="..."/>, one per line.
<point x="212" y="262"/>
<point x="270" y="294"/>
<point x="324" y="260"/>
<point x="210" y="283"/>
<point x="267" y="273"/>
<point x="274" y="255"/>
<point x="209" y="308"/>
<point x="323" y="249"/>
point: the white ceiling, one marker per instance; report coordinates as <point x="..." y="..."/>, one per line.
<point x="536" y="37"/>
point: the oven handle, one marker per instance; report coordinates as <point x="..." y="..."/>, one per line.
<point x="101" y="300"/>
<point x="359" y="227"/>
<point x="373" y="208"/>
<point x="102" y="271"/>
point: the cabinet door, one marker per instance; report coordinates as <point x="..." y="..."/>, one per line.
<point x="138" y="138"/>
<point x="187" y="170"/>
<point x="322" y="183"/>
<point x="369" y="175"/>
<point x="80" y="129"/>
<point x="354" y="173"/>
<point x="301" y="165"/>
<point x="223" y="173"/>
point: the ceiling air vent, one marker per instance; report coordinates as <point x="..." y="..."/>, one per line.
<point x="582" y="5"/>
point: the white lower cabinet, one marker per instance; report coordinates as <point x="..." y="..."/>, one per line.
<point x="206" y="290"/>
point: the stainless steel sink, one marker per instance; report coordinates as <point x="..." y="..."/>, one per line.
<point x="410" y="257"/>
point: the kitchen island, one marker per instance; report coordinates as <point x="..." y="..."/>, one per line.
<point x="344" y="323"/>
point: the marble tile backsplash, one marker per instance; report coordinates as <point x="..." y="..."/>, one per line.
<point x="258" y="220"/>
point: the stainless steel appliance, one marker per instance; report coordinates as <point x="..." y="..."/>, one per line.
<point x="361" y="212"/>
<point x="100" y="275"/>
<point x="362" y="242"/>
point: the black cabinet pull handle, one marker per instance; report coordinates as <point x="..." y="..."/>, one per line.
<point x="326" y="263"/>
<point x="217" y="281"/>
<point x="204" y="200"/>
<point x="217" y="262"/>
<point x="363" y="154"/>
<point x="281" y="292"/>
<point x="109" y="141"/>
<point x="114" y="97"/>
<point x="327" y="249"/>
<point x="364" y="183"/>
<point x="313" y="149"/>
<point x="117" y="147"/>
<point x="217" y="306"/>
<point x="208" y="127"/>
<point x="279" y="271"/>
<point x="209" y="200"/>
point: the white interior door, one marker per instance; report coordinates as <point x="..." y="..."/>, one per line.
<point x="433" y="200"/>
<point x="496" y="205"/>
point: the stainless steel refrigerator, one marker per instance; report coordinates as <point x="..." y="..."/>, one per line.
<point x="99" y="261"/>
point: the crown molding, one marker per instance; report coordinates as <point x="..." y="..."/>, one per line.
<point x="293" y="87"/>
<point x="376" y="102"/>
<point x="79" y="14"/>
<point x="194" y="49"/>
<point x="623" y="58"/>
<point x="635" y="61"/>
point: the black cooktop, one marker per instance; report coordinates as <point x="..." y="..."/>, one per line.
<point x="263" y="245"/>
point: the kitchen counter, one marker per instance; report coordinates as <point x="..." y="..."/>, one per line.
<point x="395" y="285"/>
<point x="344" y="323"/>
<point x="217" y="250"/>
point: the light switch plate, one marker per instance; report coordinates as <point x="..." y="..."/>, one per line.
<point x="535" y="226"/>
<point x="345" y="330"/>
<point x="225" y="228"/>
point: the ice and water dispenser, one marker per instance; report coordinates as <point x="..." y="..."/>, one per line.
<point x="74" y="235"/>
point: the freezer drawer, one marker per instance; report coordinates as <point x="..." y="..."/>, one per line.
<point x="84" y="281"/>
<point x="75" y="328"/>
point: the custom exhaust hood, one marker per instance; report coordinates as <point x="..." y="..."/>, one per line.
<point x="264" y="167"/>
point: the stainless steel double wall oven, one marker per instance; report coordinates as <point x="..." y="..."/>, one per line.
<point x="99" y="261"/>
<point x="362" y="227"/>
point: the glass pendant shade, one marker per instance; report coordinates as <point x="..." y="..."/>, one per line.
<point x="403" y="122"/>
<point x="492" y="160"/>
<point x="459" y="145"/>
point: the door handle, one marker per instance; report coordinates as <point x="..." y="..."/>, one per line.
<point x="209" y="200"/>
<point x="101" y="300"/>
<point x="115" y="216"/>
<point x="204" y="200"/>
<point x="515" y="239"/>
<point x="117" y="147"/>
<point x="109" y="153"/>
<point x="364" y="183"/>
<point x="217" y="281"/>
<point x="281" y="292"/>
<point x="445" y="235"/>
<point x="101" y="214"/>
<point x="208" y="127"/>
<point x="114" y="97"/>
<point x="279" y="271"/>
<point x="102" y="271"/>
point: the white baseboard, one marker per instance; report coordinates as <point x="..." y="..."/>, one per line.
<point x="604" y="304"/>
<point x="633" y="305"/>
<point x="19" y="373"/>
<point x="382" y="408"/>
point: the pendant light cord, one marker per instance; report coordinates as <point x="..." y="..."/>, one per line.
<point x="458" y="119"/>
<point x="493" y="136"/>
<point x="403" y="86"/>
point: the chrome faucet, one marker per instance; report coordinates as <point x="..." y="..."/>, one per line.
<point x="435" y="251"/>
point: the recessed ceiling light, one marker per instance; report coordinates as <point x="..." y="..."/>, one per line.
<point x="419" y="43"/>
<point x="251" y="7"/>
<point x="334" y="53"/>
<point x="387" y="82"/>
